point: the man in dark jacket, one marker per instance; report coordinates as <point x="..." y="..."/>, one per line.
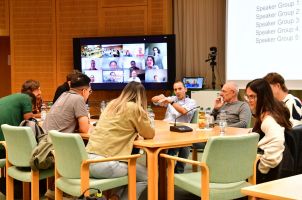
<point x="65" y="86"/>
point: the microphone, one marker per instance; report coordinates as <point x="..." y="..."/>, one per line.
<point x="175" y="128"/>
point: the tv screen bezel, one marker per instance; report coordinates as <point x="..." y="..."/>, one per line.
<point x="169" y="39"/>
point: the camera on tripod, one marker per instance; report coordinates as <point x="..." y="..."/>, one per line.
<point x="212" y="55"/>
<point x="212" y="58"/>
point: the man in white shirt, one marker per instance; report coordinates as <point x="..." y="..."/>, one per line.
<point x="177" y="107"/>
<point x="280" y="92"/>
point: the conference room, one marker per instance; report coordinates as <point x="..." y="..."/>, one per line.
<point x="45" y="41"/>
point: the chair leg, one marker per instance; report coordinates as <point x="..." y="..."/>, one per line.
<point x="26" y="193"/>
<point x="58" y="194"/>
<point x="170" y="181"/>
<point x="35" y="194"/>
<point x="194" y="157"/>
<point x="9" y="188"/>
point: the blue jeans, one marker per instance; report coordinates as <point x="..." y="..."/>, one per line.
<point x="114" y="169"/>
<point x="183" y="152"/>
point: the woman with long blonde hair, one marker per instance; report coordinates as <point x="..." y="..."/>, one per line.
<point x="119" y="125"/>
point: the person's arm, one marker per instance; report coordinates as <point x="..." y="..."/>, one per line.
<point x="27" y="107"/>
<point x="81" y="114"/>
<point x="157" y="98"/>
<point x="37" y="115"/>
<point x="27" y="116"/>
<point x="178" y="108"/>
<point x="84" y="124"/>
<point x="143" y="126"/>
<point x="144" y="129"/>
<point x="272" y="145"/>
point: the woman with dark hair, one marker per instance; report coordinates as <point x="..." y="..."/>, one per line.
<point x="150" y="63"/>
<point x="119" y="125"/>
<point x="158" y="57"/>
<point x="272" y="120"/>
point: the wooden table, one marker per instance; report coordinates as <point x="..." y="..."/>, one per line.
<point x="285" y="188"/>
<point x="165" y="139"/>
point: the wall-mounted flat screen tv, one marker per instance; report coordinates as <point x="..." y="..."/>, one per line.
<point x="112" y="62"/>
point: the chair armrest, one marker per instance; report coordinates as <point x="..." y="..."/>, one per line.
<point x="205" y="177"/>
<point x="252" y="179"/>
<point x="130" y="157"/>
<point x="192" y="162"/>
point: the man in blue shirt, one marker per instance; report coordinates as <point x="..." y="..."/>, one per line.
<point x="177" y="106"/>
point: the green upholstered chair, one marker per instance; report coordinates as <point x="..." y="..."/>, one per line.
<point x="198" y="146"/>
<point x="19" y="143"/>
<point x="227" y="162"/>
<point x="2" y="165"/>
<point x="2" y="161"/>
<point x="72" y="168"/>
<point x="195" y="117"/>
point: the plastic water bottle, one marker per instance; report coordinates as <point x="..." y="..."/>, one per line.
<point x="43" y="112"/>
<point x="222" y="121"/>
<point x="207" y="118"/>
<point x="151" y="116"/>
<point x="103" y="106"/>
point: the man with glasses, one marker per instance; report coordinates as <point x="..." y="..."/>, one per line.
<point x="238" y="112"/>
<point x="69" y="113"/>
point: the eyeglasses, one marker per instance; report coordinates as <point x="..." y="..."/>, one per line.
<point x="250" y="97"/>
<point x="89" y="90"/>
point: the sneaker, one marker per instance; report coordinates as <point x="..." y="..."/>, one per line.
<point x="50" y="194"/>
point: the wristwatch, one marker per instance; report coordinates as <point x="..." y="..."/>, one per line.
<point x="172" y="103"/>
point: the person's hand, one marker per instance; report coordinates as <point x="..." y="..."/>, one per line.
<point x="218" y="102"/>
<point x="165" y="101"/>
<point x="161" y="97"/>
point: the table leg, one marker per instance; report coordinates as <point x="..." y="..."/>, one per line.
<point x="162" y="179"/>
<point x="152" y="159"/>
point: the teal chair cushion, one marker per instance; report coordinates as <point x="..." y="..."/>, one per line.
<point x="73" y="186"/>
<point x="217" y="190"/>
<point x="25" y="175"/>
<point x="230" y="161"/>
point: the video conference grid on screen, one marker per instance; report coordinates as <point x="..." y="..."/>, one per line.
<point x="122" y="63"/>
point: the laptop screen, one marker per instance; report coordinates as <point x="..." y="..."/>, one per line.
<point x="193" y="82"/>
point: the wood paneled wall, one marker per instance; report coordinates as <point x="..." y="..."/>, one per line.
<point x="33" y="43"/>
<point x="5" y="69"/>
<point x="42" y="31"/>
<point x="4" y="17"/>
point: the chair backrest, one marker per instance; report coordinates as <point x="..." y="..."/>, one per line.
<point x="293" y="140"/>
<point x="195" y="116"/>
<point x="230" y="158"/>
<point x="20" y="141"/>
<point x="69" y="153"/>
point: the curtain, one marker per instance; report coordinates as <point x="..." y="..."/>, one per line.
<point x="199" y="25"/>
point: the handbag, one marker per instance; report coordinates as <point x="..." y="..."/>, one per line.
<point x="96" y="196"/>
